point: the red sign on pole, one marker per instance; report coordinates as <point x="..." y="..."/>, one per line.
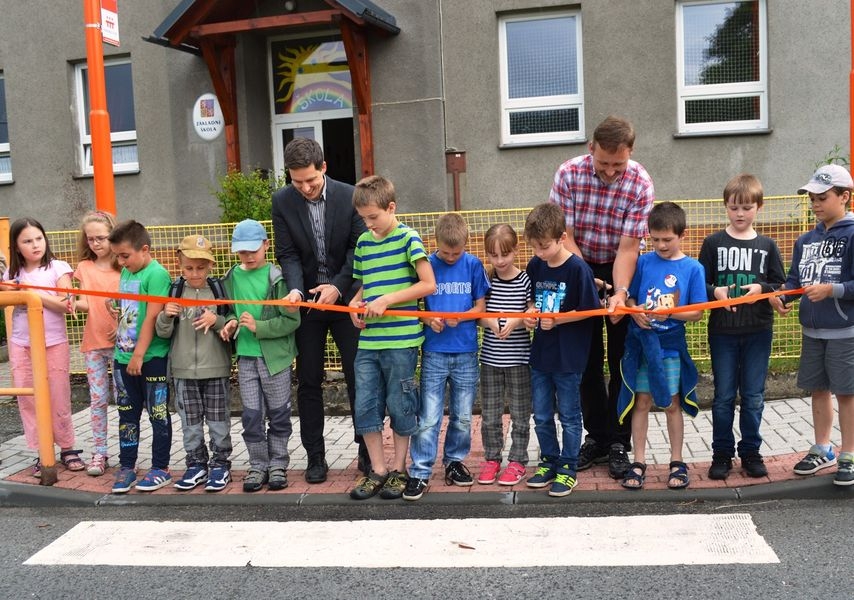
<point x="110" y="21"/>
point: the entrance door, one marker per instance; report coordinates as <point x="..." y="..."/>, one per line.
<point x="335" y="136"/>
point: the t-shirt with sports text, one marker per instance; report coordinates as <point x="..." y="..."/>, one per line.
<point x="458" y="287"/>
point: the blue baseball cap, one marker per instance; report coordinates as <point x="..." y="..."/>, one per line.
<point x="248" y="236"/>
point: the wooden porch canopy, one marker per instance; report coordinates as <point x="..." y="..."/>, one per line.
<point x="210" y="28"/>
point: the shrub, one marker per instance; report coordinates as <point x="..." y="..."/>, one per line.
<point x="247" y="196"/>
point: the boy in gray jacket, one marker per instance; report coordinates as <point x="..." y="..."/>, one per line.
<point x="201" y="365"/>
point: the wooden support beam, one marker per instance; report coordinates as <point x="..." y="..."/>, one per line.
<point x="197" y="12"/>
<point x="355" y="45"/>
<point x="320" y="17"/>
<point x="219" y="57"/>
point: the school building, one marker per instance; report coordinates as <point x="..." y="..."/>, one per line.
<point x="462" y="103"/>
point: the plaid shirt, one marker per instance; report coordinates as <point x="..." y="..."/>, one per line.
<point x="600" y="214"/>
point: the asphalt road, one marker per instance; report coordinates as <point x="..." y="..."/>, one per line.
<point x="812" y="540"/>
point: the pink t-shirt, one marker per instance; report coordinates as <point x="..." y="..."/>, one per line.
<point x="100" y="326"/>
<point x="54" y="323"/>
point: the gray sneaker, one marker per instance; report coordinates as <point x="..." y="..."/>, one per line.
<point x="845" y="469"/>
<point x="254" y="480"/>
<point x="278" y="480"/>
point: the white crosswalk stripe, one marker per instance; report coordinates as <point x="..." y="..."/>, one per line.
<point x="458" y="543"/>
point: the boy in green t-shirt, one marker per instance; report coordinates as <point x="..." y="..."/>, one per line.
<point x="139" y="364"/>
<point x="265" y="349"/>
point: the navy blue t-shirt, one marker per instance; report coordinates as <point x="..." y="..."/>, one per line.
<point x="570" y="286"/>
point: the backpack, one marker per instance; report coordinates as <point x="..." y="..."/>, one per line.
<point x="176" y="290"/>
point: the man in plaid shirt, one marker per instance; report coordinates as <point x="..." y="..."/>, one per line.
<point x="606" y="198"/>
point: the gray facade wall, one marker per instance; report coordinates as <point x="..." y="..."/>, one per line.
<point x="434" y="86"/>
<point x="629" y="58"/>
<point x="177" y="168"/>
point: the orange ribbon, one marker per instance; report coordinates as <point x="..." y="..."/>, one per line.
<point x="415" y="313"/>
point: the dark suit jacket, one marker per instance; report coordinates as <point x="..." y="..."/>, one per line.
<point x="294" y="238"/>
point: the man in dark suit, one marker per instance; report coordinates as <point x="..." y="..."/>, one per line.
<point x="315" y="228"/>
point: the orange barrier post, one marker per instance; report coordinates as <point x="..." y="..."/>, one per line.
<point x="38" y="355"/>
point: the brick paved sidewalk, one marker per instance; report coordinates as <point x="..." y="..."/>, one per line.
<point x="786" y="429"/>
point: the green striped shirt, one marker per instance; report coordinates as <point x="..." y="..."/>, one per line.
<point x="386" y="266"/>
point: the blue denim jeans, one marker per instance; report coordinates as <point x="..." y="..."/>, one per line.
<point x="739" y="365"/>
<point x="385" y="380"/>
<point x="459" y="371"/>
<point x="557" y="393"/>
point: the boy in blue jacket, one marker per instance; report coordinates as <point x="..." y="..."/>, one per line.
<point x="823" y="265"/>
<point x="656" y="366"/>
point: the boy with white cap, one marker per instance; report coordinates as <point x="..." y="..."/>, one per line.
<point x="200" y="363"/>
<point x="823" y="265"/>
<point x="265" y="348"/>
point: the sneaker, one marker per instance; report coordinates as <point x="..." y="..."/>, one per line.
<point x="845" y="470"/>
<point x="815" y="460"/>
<point x="368" y="486"/>
<point x="456" y="473"/>
<point x="254" y="480"/>
<point x="414" y="488"/>
<point x="125" y="478"/>
<point x="277" y="479"/>
<point x="36" y="470"/>
<point x="193" y="476"/>
<point x="513" y="474"/>
<point x="563" y="483"/>
<point x="98" y="465"/>
<point x="218" y="478"/>
<point x="154" y="480"/>
<point x="753" y="465"/>
<point x="488" y="472"/>
<point x="720" y="467"/>
<point x="591" y="454"/>
<point x="543" y="476"/>
<point x="618" y="461"/>
<point x="394" y="486"/>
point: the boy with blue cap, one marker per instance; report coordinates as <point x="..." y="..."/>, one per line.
<point x="265" y="348"/>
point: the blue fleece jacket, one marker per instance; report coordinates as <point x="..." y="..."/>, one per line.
<point x="826" y="256"/>
<point x="646" y="343"/>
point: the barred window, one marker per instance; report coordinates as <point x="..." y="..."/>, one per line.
<point x="541" y="85"/>
<point x="721" y="60"/>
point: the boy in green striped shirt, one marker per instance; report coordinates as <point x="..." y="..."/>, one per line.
<point x="392" y="265"/>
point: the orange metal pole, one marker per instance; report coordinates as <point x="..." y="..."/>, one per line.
<point x="40" y="390"/>
<point x="99" y="118"/>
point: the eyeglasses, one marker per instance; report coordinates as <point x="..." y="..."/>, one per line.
<point x="98" y="238"/>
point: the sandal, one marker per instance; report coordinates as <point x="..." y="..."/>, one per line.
<point x="71" y="460"/>
<point x="634" y="477"/>
<point x="679" y="472"/>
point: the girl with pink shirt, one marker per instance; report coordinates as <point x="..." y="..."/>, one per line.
<point x="32" y="262"/>
<point x="97" y="270"/>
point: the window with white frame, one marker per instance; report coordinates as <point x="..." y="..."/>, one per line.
<point x="5" y="149"/>
<point x="119" y="85"/>
<point x="542" y="97"/>
<point x="722" y="74"/>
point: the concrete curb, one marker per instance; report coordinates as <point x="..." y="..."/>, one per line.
<point x="810" y="488"/>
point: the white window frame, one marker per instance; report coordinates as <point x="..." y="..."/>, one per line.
<point x="757" y="89"/>
<point x="117" y="138"/>
<point x="564" y="101"/>
<point x="5" y="148"/>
